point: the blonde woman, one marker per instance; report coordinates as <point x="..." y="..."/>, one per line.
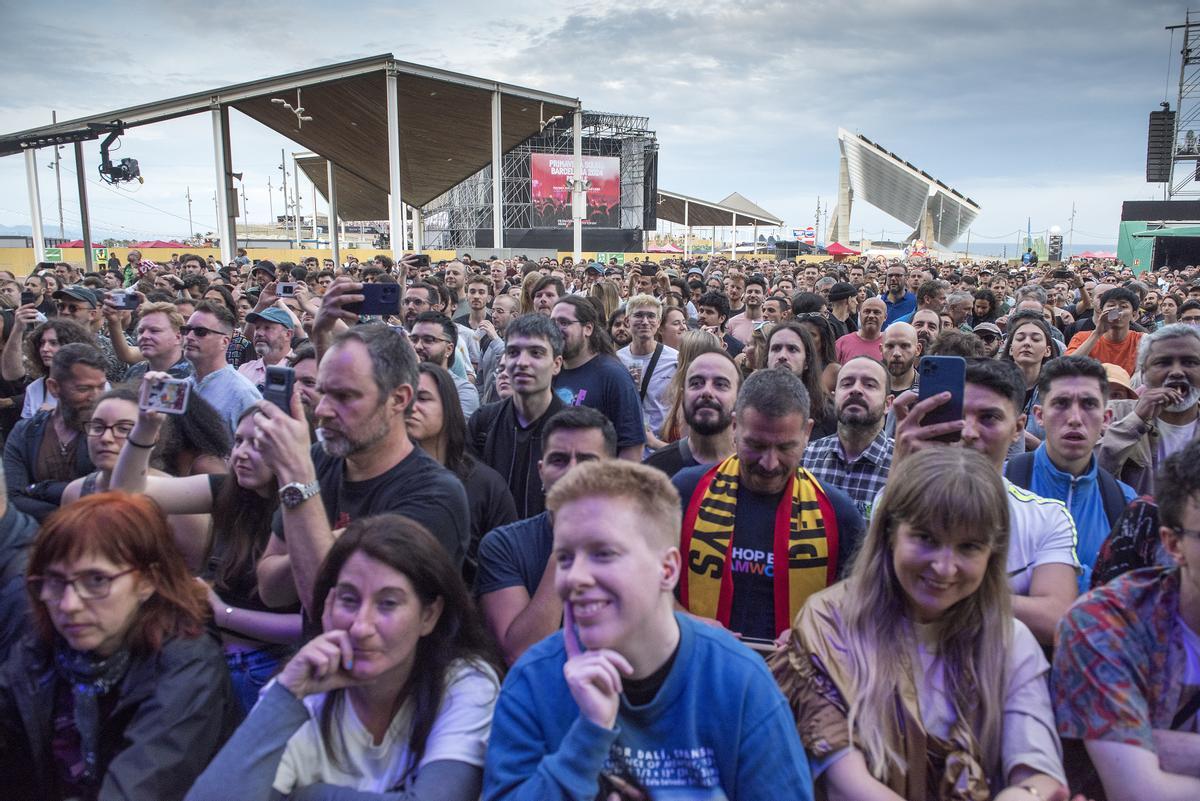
<point x="609" y="296"/>
<point x="912" y="680"/>
<point x="527" y="284"/>
<point x="691" y="345"/>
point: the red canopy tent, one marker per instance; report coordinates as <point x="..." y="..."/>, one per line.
<point x="668" y="248"/>
<point x="74" y="243"/>
<point x="158" y="243"/>
<point x="1097" y="254"/>
<point x="838" y="250"/>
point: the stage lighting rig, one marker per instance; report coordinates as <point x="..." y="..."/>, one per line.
<point x="123" y="171"/>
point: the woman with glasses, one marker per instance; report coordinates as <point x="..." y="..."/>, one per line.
<point x="256" y="638"/>
<point x="911" y="679"/>
<point x="117" y="692"/>
<point x="393" y="700"/>
<point x="436" y="423"/>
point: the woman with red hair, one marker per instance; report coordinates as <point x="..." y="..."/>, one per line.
<point x="118" y="692"/>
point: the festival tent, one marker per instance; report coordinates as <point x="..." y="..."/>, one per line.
<point x="838" y="249"/>
<point x="75" y="243"/>
<point x="1097" y="254"/>
<point x="158" y="243"/>
<point x="668" y="248"/>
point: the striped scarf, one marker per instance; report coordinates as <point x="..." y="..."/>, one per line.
<point x="806" y="541"/>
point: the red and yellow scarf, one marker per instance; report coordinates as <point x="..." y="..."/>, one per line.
<point x="805" y="541"/>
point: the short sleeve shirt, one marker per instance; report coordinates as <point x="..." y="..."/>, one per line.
<point x="604" y="384"/>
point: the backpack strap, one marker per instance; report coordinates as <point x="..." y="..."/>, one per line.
<point x="1110" y="493"/>
<point x="658" y="349"/>
<point x="1019" y="470"/>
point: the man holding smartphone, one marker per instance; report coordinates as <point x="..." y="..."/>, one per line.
<point x="1112" y="341"/>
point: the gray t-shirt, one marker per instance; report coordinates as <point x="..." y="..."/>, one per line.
<point x="229" y="392"/>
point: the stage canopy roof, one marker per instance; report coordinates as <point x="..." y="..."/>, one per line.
<point x="705" y="213"/>
<point x="1182" y="230"/>
<point x="901" y="190"/>
<point x="444" y="120"/>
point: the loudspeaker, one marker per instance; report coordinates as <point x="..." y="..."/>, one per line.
<point x="1054" y="248"/>
<point x="1160" y="146"/>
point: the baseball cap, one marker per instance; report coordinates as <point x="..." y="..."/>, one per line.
<point x="989" y="328"/>
<point x="76" y="292"/>
<point x="271" y="314"/>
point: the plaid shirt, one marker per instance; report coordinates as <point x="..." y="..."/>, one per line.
<point x="861" y="479"/>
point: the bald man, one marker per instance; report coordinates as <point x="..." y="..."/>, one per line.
<point x="901" y="349"/>
<point x="866" y="341"/>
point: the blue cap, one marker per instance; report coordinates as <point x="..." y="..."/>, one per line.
<point x="271" y="314"/>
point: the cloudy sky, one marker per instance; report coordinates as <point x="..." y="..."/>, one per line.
<point x="1024" y="106"/>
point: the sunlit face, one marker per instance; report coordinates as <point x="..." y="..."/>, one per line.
<point x="612" y="577"/>
<point x="769" y="449"/>
<point x="385" y="618"/>
<point x="754" y="296"/>
<point x="871" y="316"/>
<point x="98" y="625"/>
<point x="936" y="570"/>
<point x="787" y="351"/>
<point x="674" y="326"/>
<point x="860" y="397"/>
<point x="643" y="323"/>
<point x="245" y="461"/>
<point x="928" y="325"/>
<point x="544" y="299"/>
<point x="425" y="419"/>
<point x="114" y="418"/>
<point x="76" y="392"/>
<point x="156" y="337"/>
<point x="1175" y="363"/>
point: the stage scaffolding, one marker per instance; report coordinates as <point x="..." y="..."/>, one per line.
<point x="452" y="220"/>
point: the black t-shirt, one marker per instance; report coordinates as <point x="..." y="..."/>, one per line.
<point x="417" y="487"/>
<point x="491" y="505"/>
<point x="515" y="555"/>
<point x="497" y="438"/>
<point x="604" y="384"/>
<point x="752" y="557"/>
<point x="672" y="458"/>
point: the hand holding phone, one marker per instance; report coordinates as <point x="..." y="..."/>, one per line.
<point x="168" y="395"/>
<point x="938" y="374"/>
<point x="278" y="387"/>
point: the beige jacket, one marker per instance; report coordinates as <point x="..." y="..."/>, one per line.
<point x="1129" y="447"/>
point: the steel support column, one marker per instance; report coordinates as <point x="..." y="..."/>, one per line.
<point x="84" y="217"/>
<point x="733" y="238"/>
<point x="687" y="232"/>
<point x="35" y="205"/>
<point x="497" y="173"/>
<point x="333" y="213"/>
<point x="226" y="214"/>
<point x="418" y="228"/>
<point x="578" y="197"/>
<point x="395" y="198"/>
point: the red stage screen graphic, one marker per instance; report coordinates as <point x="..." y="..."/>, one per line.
<point x="552" y="194"/>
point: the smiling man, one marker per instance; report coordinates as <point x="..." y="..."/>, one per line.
<point x="651" y="363"/>
<point x="633" y="700"/>
<point x="745" y="515"/>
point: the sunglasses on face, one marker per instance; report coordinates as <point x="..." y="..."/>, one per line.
<point x="200" y="331"/>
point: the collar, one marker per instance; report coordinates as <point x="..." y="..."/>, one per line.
<point x="1043" y="463"/>
<point x="877" y="452"/>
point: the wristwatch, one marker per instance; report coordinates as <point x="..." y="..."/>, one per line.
<point x="294" y="494"/>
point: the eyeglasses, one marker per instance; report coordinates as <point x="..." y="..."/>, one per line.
<point x="1187" y="532"/>
<point x="96" y="428"/>
<point x="72" y="308"/>
<point x="426" y="339"/>
<point x="563" y="322"/>
<point x="90" y="585"/>
<point x="410" y="301"/>
<point x="200" y="331"/>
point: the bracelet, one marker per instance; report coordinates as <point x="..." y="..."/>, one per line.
<point x="130" y="441"/>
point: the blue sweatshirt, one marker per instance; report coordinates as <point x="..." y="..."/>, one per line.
<point x="1082" y="497"/>
<point x="718" y="729"/>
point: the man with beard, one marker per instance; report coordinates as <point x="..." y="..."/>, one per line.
<point x="991" y="336"/>
<point x="304" y="361"/>
<point x="455" y="282"/>
<point x="273" y="329"/>
<point x="760" y="534"/>
<point x="1163" y="420"/>
<point x="742" y="325"/>
<point x="46" y="452"/>
<point x="546" y="293"/>
<point x="857" y="458"/>
<point x="866" y="341"/>
<point x="927" y="324"/>
<point x="365" y="464"/>
<point x="592" y="375"/>
<point x="709" y="392"/>
<point x="898" y="300"/>
<point x="433" y="338"/>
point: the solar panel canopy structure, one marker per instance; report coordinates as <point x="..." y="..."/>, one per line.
<point x="937" y="213"/>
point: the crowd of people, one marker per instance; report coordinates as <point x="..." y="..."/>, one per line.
<point x="686" y="529"/>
